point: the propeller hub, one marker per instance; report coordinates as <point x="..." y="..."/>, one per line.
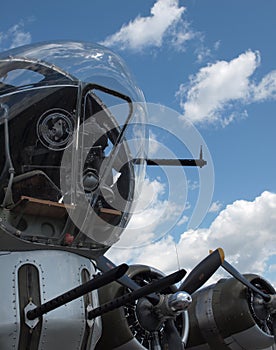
<point x="179" y="301"/>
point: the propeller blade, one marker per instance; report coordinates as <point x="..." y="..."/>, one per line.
<point x="172" y="339"/>
<point x="235" y="273"/>
<point x="155" y="342"/>
<point x="203" y="271"/>
<point x="198" y="276"/>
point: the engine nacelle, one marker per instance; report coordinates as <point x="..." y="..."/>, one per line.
<point x="227" y="315"/>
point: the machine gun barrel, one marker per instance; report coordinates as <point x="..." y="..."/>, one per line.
<point x="95" y="283"/>
<point x="200" y="162"/>
<point x="177" y="162"/>
<point x="172" y="162"/>
<point x="155" y="286"/>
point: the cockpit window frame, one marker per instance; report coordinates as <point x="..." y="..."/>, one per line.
<point x="50" y="73"/>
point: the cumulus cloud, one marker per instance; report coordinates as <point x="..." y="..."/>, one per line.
<point x="216" y="85"/>
<point x="244" y="229"/>
<point x="14" y="37"/>
<point x="220" y="85"/>
<point x="153" y="216"/>
<point x="165" y="19"/>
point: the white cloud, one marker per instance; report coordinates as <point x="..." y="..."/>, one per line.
<point x="193" y="185"/>
<point x="180" y="33"/>
<point x="266" y="89"/>
<point x="215" y="207"/>
<point x="244" y="229"/>
<point x="203" y="52"/>
<point x="165" y="19"/>
<point x="154" y="144"/>
<point x="221" y="85"/>
<point x="151" y="190"/>
<point x="14" y="37"/>
<point x="152" y="216"/>
<point x="217" y="45"/>
<point x="183" y="220"/>
<point x="217" y="85"/>
<point x="19" y="37"/>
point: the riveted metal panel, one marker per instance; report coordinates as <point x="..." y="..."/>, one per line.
<point x="9" y="306"/>
<point x="59" y="272"/>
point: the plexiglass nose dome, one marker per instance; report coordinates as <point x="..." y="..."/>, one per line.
<point x="73" y="142"/>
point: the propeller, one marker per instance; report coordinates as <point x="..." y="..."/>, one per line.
<point x="203" y="271"/>
<point x="235" y="273"/>
<point x="152" y="317"/>
<point x="172" y="339"/>
<point x="155" y="310"/>
<point x="196" y="279"/>
<point x="269" y="299"/>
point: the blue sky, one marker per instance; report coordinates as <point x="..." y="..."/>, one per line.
<point x="213" y="62"/>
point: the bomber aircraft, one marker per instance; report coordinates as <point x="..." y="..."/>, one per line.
<point x="73" y="141"/>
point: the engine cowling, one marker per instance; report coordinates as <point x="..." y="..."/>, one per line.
<point x="227" y="315"/>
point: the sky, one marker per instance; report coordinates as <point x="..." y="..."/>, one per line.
<point x="208" y="63"/>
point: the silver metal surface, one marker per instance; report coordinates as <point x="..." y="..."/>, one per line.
<point x="205" y="315"/>
<point x="179" y="301"/>
<point x="249" y="339"/>
<point x="9" y="306"/>
<point x="59" y="271"/>
<point x="186" y="328"/>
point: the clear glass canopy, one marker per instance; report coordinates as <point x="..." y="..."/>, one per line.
<point x="73" y="142"/>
